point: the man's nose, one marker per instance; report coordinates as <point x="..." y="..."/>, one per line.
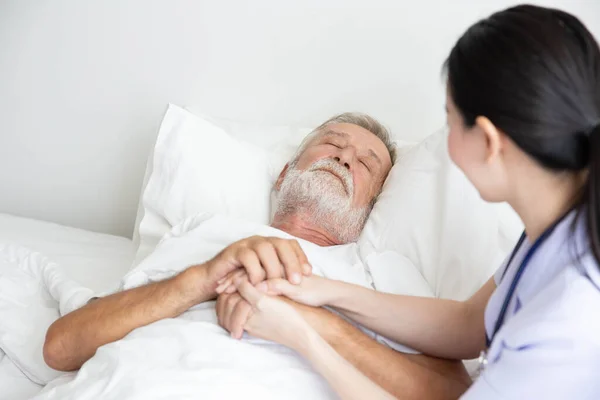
<point x="345" y="158"/>
<point x="345" y="164"/>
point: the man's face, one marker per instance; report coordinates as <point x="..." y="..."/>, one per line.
<point x="335" y="179"/>
<point x="362" y="154"/>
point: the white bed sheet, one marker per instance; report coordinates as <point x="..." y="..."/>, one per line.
<point x="14" y="385"/>
<point x="95" y="260"/>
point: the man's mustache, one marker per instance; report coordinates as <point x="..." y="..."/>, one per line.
<point x="331" y="166"/>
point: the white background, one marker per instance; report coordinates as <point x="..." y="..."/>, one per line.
<point x="83" y="84"/>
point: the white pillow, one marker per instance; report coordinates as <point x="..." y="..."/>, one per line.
<point x="279" y="141"/>
<point x="430" y="213"/>
<point x="204" y="164"/>
<point x="198" y="167"/>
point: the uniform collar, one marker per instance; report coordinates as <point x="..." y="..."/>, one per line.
<point x="566" y="246"/>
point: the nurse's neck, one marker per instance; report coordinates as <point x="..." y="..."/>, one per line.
<point x="541" y="197"/>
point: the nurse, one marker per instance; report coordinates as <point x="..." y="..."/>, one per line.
<point x="523" y="105"/>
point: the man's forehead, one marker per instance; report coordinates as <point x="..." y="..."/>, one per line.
<point x="371" y="142"/>
<point x="348" y="130"/>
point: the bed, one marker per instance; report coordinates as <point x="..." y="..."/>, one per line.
<point x="427" y="248"/>
<point x="95" y="260"/>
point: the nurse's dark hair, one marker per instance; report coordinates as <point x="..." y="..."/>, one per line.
<point x="534" y="72"/>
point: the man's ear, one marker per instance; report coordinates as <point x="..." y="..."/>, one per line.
<point x="493" y="138"/>
<point x="281" y="176"/>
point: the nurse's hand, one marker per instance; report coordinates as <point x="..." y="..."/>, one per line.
<point x="261" y="315"/>
<point x="313" y="291"/>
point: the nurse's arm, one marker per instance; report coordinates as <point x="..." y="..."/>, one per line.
<point x="347" y="381"/>
<point x="441" y="328"/>
<point x="406" y="376"/>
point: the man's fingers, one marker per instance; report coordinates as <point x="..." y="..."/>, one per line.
<point x="225" y="282"/>
<point x="232" y="303"/>
<point x="247" y="291"/>
<point x="269" y="259"/>
<point x="227" y="286"/>
<point x="251" y="263"/>
<point x="289" y="258"/>
<point x="220" y="308"/>
<point x="239" y="318"/>
<point x="306" y="269"/>
<point x="302" y="259"/>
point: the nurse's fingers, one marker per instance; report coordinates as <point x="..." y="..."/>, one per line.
<point x="226" y="285"/>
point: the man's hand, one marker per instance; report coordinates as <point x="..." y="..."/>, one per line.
<point x="260" y="258"/>
<point x="262" y="316"/>
<point x="233" y="313"/>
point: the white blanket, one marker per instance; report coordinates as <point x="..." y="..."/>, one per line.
<point x="33" y="293"/>
<point x="191" y="356"/>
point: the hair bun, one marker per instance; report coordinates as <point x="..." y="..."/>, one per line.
<point x="595" y="130"/>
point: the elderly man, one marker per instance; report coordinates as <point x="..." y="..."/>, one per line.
<point x="324" y="196"/>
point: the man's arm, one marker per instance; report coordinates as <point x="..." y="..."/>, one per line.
<point x="405" y="376"/>
<point x="74" y="338"/>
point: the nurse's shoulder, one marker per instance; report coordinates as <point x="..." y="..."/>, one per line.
<point x="551" y="348"/>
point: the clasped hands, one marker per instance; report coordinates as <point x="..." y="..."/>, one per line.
<point x="269" y="290"/>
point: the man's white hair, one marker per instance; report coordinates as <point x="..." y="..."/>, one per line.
<point x="365" y="121"/>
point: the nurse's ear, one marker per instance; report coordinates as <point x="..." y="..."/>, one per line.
<point x="493" y="139"/>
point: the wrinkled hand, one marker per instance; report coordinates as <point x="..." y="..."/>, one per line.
<point x="261" y="315"/>
<point x="233" y="313"/>
<point x="260" y="258"/>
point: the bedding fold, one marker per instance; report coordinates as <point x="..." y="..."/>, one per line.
<point x="191" y="355"/>
<point x="34" y="292"/>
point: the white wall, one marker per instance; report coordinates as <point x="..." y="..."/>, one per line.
<point x="83" y="83"/>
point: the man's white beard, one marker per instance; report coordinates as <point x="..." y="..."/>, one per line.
<point x="323" y="199"/>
